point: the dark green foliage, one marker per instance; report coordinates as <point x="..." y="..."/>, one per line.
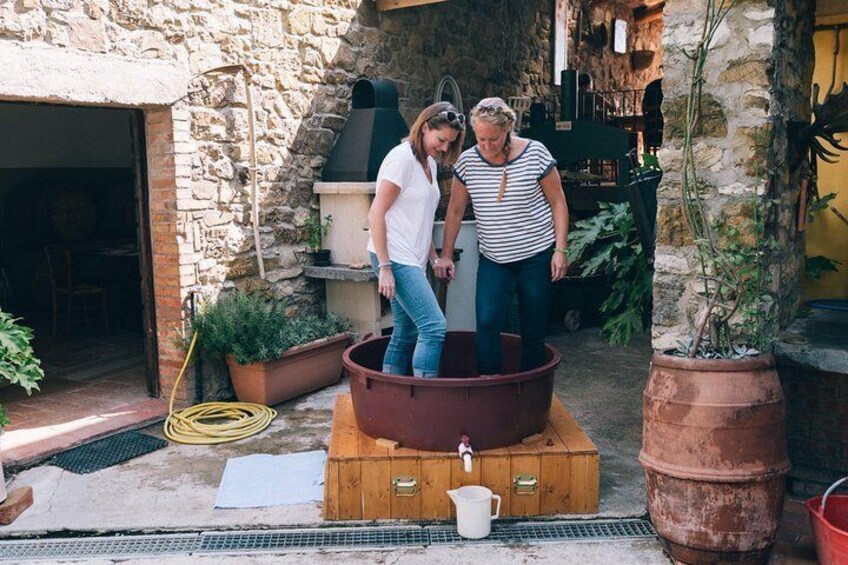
<point x="18" y="364"/>
<point x="253" y="328"/>
<point x="318" y="230"/>
<point x="608" y="242"/>
<point x="818" y="265"/>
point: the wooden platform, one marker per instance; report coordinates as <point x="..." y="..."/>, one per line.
<point x="366" y="482"/>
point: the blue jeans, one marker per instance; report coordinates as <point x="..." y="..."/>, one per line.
<point x="496" y="283"/>
<point x="419" y="325"/>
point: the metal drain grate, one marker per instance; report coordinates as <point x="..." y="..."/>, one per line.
<point x="318" y="538"/>
<point x="535" y="532"/>
<point x="113" y="546"/>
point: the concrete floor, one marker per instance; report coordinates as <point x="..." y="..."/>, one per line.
<point x="173" y="489"/>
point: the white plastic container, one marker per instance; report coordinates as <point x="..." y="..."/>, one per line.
<point x="474" y="511"/>
<point x="461" y="303"/>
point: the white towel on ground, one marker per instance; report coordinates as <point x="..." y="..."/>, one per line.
<point x="260" y="480"/>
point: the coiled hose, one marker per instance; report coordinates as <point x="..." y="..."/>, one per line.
<point x="214" y="422"/>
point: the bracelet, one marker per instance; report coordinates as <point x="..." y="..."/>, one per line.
<point x="561" y="250"/>
<point x="435" y="261"/>
<point x="384" y="265"/>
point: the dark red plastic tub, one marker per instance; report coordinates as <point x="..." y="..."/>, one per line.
<point x="434" y="414"/>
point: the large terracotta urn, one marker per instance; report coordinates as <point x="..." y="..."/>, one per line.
<point x="715" y="457"/>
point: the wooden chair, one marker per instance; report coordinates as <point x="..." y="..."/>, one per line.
<point x="78" y="297"/>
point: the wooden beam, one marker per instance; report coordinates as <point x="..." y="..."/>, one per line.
<point x="386" y="5"/>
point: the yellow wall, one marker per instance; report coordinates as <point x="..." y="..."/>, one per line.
<point x="828" y="235"/>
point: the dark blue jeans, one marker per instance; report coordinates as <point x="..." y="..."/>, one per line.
<point x="496" y="283"/>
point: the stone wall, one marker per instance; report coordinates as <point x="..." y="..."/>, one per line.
<point x="757" y="78"/>
<point x="303" y="57"/>
<point x="612" y="71"/>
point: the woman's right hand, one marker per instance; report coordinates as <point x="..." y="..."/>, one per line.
<point x="386" y="283"/>
<point x="444" y="269"/>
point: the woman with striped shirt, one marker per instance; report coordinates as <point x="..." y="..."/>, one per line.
<point x="522" y="227"/>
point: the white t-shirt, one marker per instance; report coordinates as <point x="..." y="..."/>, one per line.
<point x="409" y="220"/>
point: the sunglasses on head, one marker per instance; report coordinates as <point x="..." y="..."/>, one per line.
<point x="452" y="116"/>
<point x="489" y="109"/>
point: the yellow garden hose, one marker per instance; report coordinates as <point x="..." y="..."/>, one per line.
<point x="214" y="422"/>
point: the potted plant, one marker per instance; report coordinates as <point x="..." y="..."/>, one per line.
<point x="272" y="356"/>
<point x="18" y="365"/>
<point x="606" y="245"/>
<point x="714" y="441"/>
<point x="318" y="229"/>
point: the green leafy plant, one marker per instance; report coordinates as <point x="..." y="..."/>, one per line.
<point x="18" y="364"/>
<point x="607" y="242"/>
<point x="818" y="265"/>
<point x="318" y="230"/>
<point x="735" y="320"/>
<point x="650" y="164"/>
<point x="253" y="328"/>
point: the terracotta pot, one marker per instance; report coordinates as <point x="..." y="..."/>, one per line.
<point x="715" y="457"/>
<point x="301" y="369"/>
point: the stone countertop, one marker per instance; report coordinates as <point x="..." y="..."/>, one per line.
<point x="819" y="340"/>
<point x="340" y="273"/>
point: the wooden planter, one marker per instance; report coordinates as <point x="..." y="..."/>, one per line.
<point x="301" y="369"/>
<point x="715" y="457"/>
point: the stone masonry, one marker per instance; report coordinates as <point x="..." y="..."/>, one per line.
<point x="758" y="77"/>
<point x="303" y="57"/>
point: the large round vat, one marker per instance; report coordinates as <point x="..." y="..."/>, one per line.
<point x="434" y="414"/>
<point x="715" y="457"/>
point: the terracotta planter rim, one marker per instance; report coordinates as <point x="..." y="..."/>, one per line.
<point x="704" y="475"/>
<point x="666" y="359"/>
<point x="296" y="349"/>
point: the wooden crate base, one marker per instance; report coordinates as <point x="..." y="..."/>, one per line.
<point x="358" y="482"/>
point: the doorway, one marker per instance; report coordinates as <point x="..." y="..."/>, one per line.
<point x="73" y="238"/>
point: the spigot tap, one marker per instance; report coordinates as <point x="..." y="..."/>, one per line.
<point x="465" y="452"/>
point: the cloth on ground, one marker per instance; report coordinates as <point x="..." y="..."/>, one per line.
<point x="260" y="480"/>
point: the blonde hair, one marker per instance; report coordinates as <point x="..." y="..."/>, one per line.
<point x="434" y="116"/>
<point x="496" y="112"/>
<point x="493" y="111"/>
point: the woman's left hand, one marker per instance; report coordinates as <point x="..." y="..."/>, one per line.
<point x="559" y="266"/>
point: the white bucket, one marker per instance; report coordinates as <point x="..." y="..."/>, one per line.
<point x="474" y="511"/>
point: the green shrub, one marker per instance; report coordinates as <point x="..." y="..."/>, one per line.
<point x="607" y="242"/>
<point x="253" y="328"/>
<point x="18" y="364"/>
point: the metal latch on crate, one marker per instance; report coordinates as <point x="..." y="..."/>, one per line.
<point x="524" y="483"/>
<point x="404" y="485"/>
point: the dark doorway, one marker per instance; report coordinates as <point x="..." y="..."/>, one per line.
<point x="73" y="257"/>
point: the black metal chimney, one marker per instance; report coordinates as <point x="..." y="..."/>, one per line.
<point x="568" y="97"/>
<point x="373" y="128"/>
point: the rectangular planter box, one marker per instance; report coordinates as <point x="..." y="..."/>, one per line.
<point x="301" y="369"/>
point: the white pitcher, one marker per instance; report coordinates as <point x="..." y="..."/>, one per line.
<point x="473" y="510"/>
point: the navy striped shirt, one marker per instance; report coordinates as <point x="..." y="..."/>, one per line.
<point x="521" y="224"/>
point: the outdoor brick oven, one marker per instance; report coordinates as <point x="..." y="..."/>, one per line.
<point x="373" y="128"/>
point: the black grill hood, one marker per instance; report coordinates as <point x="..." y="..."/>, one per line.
<point x="373" y="128"/>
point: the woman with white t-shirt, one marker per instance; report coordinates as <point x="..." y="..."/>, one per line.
<point x="401" y="242"/>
